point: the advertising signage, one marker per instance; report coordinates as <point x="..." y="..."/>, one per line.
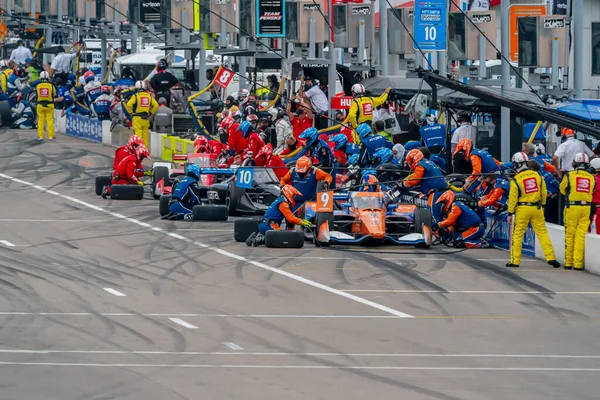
<point x="270" y="18"/>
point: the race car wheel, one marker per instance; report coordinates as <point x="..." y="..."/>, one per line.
<point x="422" y="217"/>
<point x="210" y="212"/>
<point x="126" y="192"/>
<point x="234" y="194"/>
<point x="284" y="239"/>
<point x="101" y="181"/>
<point x="6" y="118"/>
<point x="320" y="219"/>
<point x="244" y="227"/>
<point x="160" y="173"/>
<point x="163" y="204"/>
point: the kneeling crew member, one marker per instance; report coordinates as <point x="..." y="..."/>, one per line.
<point x="279" y="210"/>
<point x="578" y="187"/>
<point x="525" y="201"/>
<point x="129" y="170"/>
<point x="497" y="196"/>
<point x="124" y="151"/>
<point x="459" y="222"/>
<point x="185" y="196"/>
<point x="304" y="178"/>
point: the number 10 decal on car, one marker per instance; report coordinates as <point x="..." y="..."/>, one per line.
<point x="244" y="178"/>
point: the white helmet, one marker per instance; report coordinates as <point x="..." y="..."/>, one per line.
<point x="595" y="163"/>
<point x="581" y="161"/>
<point x="4" y="63"/>
<point x="44" y="76"/>
<point x="243" y="94"/>
<point x="140" y="85"/>
<point x="357" y="88"/>
<point x="520" y="161"/>
<point x="540" y="148"/>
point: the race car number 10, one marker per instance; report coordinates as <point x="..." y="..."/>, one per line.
<point x="245" y="176"/>
<point x="325" y="201"/>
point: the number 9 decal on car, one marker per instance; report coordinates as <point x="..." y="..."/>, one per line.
<point x="325" y="201"/>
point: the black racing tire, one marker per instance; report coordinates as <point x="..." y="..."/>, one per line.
<point x="244" y="227"/>
<point x="321" y="186"/>
<point x="163" y="204"/>
<point x="422" y="217"/>
<point x="127" y="192"/>
<point x="101" y="181"/>
<point x="160" y="173"/>
<point x="321" y="218"/>
<point x="234" y="194"/>
<point x="284" y="239"/>
<point x="210" y="212"/>
<point x="6" y="118"/>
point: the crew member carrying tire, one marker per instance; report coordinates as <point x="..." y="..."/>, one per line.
<point x="141" y="106"/>
<point x="280" y="209"/>
<point x="525" y="201"/>
<point x="460" y="223"/>
<point x="185" y="196"/>
<point x="129" y="170"/>
<point x="578" y="187"/>
<point x="46" y="93"/>
<point x="304" y="178"/>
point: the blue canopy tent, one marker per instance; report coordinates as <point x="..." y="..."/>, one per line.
<point x="588" y="110"/>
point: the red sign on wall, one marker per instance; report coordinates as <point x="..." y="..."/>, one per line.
<point x="341" y="102"/>
<point x="223" y="77"/>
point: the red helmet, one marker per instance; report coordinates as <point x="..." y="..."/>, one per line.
<point x="142" y="153"/>
<point x="466" y="145"/>
<point x="447" y="199"/>
<point x="252" y="118"/>
<point x="134" y="142"/>
<point x="413" y="158"/>
<point x="289" y="192"/>
<point x="266" y="151"/>
<point x="303" y="165"/>
<point x="201" y="144"/>
<point x="227" y="122"/>
<point x="105" y="89"/>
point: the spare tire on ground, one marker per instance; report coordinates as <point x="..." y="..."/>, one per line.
<point x="244" y="227"/>
<point x="284" y="239"/>
<point x="126" y="192"/>
<point x="101" y="181"/>
<point x="163" y="204"/>
<point x="210" y="212"/>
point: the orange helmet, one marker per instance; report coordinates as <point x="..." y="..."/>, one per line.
<point x="142" y="153"/>
<point x="201" y="144"/>
<point x="466" y="145"/>
<point x="369" y="183"/>
<point x="447" y="198"/>
<point x="568" y="132"/>
<point x="303" y="165"/>
<point x="289" y="192"/>
<point x="413" y="158"/>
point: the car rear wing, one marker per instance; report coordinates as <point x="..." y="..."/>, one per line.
<point x="217" y="171"/>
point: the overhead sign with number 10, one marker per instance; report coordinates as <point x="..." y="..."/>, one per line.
<point x="223" y="77"/>
<point x="430" y="25"/>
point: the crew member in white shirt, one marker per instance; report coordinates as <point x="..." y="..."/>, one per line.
<point x="20" y="54"/>
<point x="318" y="101"/>
<point x="465" y="130"/>
<point x="62" y="62"/>
<point x="565" y="153"/>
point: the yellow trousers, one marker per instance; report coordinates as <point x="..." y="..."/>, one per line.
<point x="141" y="127"/>
<point x="577" y="221"/>
<point x="525" y="215"/>
<point x="45" y="115"/>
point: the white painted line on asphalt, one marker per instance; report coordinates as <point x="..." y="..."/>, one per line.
<point x="53" y="220"/>
<point x="408" y="291"/>
<point x="183" y="323"/>
<point x="7" y="243"/>
<point x="115" y="292"/>
<point x="316" y="367"/>
<point x="232" y="346"/>
<point x="278" y="271"/>
<point x="263" y="316"/>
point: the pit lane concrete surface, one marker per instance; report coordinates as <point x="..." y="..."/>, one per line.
<point x="101" y="299"/>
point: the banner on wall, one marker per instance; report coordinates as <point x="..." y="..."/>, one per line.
<point x="84" y="127"/>
<point x="270" y="18"/>
<point x="500" y="235"/>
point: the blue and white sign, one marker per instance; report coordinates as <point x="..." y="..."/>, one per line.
<point x="84" y="127"/>
<point x="500" y="236"/>
<point x="244" y="178"/>
<point x="430" y="25"/>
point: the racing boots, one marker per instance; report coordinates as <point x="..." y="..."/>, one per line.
<point x="104" y="193"/>
<point x="554" y="263"/>
<point x="511" y="265"/>
<point x="250" y="239"/>
<point x="258" y="240"/>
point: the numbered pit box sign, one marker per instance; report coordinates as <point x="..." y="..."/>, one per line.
<point x="223" y="77"/>
<point x="244" y="178"/>
<point x="324" y="201"/>
<point x="430" y="25"/>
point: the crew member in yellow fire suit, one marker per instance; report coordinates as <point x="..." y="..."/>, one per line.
<point x="141" y="106"/>
<point x="46" y="93"/>
<point x="362" y="108"/>
<point x="525" y="201"/>
<point x="578" y="187"/>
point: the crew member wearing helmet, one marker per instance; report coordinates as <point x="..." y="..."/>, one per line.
<point x="265" y="158"/>
<point x="578" y="187"/>
<point x="460" y="222"/>
<point x="318" y="149"/>
<point x="162" y="82"/>
<point x="141" y="106"/>
<point x="92" y="88"/>
<point x="525" y="201"/>
<point x="46" y="93"/>
<point x="497" y="190"/>
<point x="280" y="209"/>
<point x="429" y="178"/>
<point x="304" y="177"/>
<point x="595" y="169"/>
<point x="361" y="110"/>
<point x="369" y="182"/>
<point x="132" y="144"/>
<point x="17" y="81"/>
<point x="384" y="156"/>
<point x="235" y="139"/>
<point x="185" y="196"/>
<point x="203" y="145"/>
<point x="341" y="143"/>
<point x="129" y="170"/>
<point x="370" y="143"/>
<point x="481" y="162"/>
<point x="103" y="102"/>
<point x="283" y="129"/>
<point x="5" y="73"/>
<point x="253" y="139"/>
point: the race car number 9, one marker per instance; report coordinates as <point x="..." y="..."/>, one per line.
<point x="245" y="176"/>
<point x="325" y="201"/>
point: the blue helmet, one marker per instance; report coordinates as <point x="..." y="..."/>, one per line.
<point x="412" y="144"/>
<point x="339" y="141"/>
<point x="363" y="130"/>
<point x="384" y="155"/>
<point x="353" y="159"/>
<point x="311" y="135"/>
<point x="193" y="170"/>
<point x="369" y="182"/>
<point x="245" y="127"/>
